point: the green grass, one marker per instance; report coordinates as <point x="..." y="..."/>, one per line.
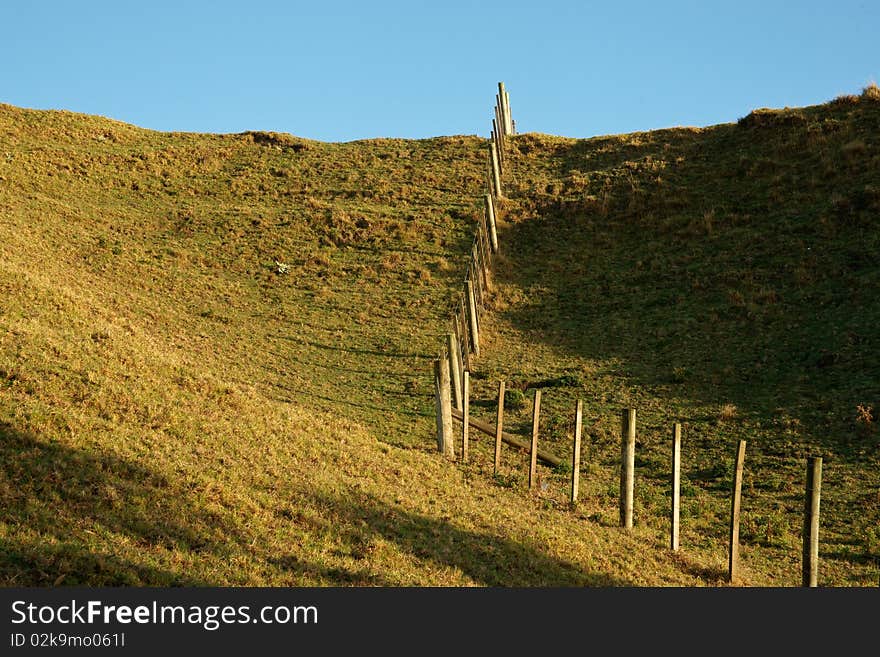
<point x="726" y="278"/>
<point x="215" y="357"/>
<point x="215" y="352"/>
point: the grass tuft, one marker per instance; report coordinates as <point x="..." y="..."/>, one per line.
<point x="871" y="92"/>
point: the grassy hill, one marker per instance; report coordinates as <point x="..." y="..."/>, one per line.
<point x="727" y="278"/>
<point x="215" y="351"/>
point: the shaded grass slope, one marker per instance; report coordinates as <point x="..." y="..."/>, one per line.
<point x="727" y="278"/>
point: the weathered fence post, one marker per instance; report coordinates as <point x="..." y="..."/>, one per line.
<point x="448" y="435"/>
<point x="476" y="275"/>
<point x="460" y="344"/>
<point x="479" y="270"/>
<point x="465" y="333"/>
<point x="472" y="307"/>
<point x="733" y="560"/>
<point x="501" y="134"/>
<point x="502" y="115"/>
<point x="498" y="136"/>
<point x="811" y="522"/>
<point x="454" y="371"/>
<point x="627" y="466"/>
<point x="505" y="107"/>
<point x="445" y="430"/>
<point x="490" y="214"/>
<point x="438" y="406"/>
<point x="488" y="253"/>
<point x="499" y="420"/>
<point x="533" y="452"/>
<point x="438" y="402"/>
<point x="676" y="486"/>
<point x="484" y="259"/>
<point x="496" y="172"/>
<point x="465" y="414"/>
<point x="448" y="448"/>
<point x="484" y="240"/>
<point x="576" y="452"/>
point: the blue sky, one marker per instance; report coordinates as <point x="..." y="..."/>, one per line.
<point x="339" y="71"/>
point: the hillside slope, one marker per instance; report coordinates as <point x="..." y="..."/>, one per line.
<point x="727" y="278"/>
<point x="215" y="356"/>
<point x="215" y="351"/>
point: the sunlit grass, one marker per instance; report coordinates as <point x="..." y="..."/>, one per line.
<point x="215" y="352"/>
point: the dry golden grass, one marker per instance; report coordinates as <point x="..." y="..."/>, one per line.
<point x="215" y="352"/>
<point x="178" y="408"/>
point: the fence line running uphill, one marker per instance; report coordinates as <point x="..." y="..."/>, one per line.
<point x="462" y="340"/>
<point x="461" y="346"/>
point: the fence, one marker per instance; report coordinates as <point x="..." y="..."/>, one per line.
<point x="455" y="362"/>
<point x="462" y="342"/>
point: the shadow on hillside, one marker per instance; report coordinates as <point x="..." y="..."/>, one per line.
<point x="318" y="575"/>
<point x="314" y="363"/>
<point x="700" y="298"/>
<point x="351" y="350"/>
<point x="605" y="152"/>
<point x="339" y="400"/>
<point x="25" y="563"/>
<point x="59" y="505"/>
<point x="489" y="559"/>
<point x="363" y="396"/>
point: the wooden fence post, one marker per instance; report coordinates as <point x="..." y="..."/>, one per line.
<point x="461" y="344"/>
<point x="733" y="559"/>
<point x="811" y="522"/>
<point x="499" y="420"/>
<point x="490" y="214"/>
<point x="676" y="486"/>
<point x="465" y="333"/>
<point x="473" y="274"/>
<point x="479" y="270"/>
<point x="499" y="104"/>
<point x="494" y="146"/>
<point x="499" y="134"/>
<point x="576" y="452"/>
<point x="445" y="436"/>
<point x="484" y="260"/>
<point x="474" y="278"/>
<point x="533" y="452"/>
<point x="499" y="139"/>
<point x="472" y="307"/>
<point x="627" y="466"/>
<point x="505" y="106"/>
<point x="486" y="244"/>
<point x="496" y="173"/>
<point x="454" y="371"/>
<point x="465" y="414"/>
<point x="487" y="241"/>
<point x="438" y="404"/>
